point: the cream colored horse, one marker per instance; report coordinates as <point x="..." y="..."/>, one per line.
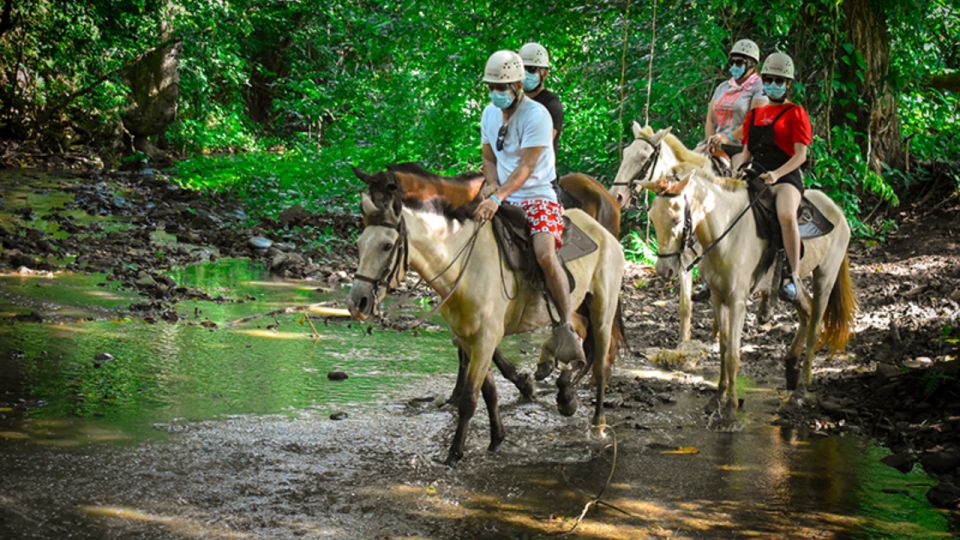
<point x="485" y="300"/>
<point x="649" y="156"/>
<point x="732" y="268"/>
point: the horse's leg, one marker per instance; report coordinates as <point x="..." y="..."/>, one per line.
<point x="821" y="293"/>
<point x="489" y="390"/>
<point x="686" y="304"/>
<point x="737" y="314"/>
<point x="462" y="360"/>
<point x="481" y="355"/>
<point x="522" y="381"/>
<point x="566" y="394"/>
<point x="601" y="352"/>
<point x="769" y="287"/>
<point x="720" y="314"/>
<point x="795" y="350"/>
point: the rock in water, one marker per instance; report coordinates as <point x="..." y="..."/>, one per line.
<point x="900" y="462"/>
<point x="259" y="242"/>
<point x="944" y="495"/>
<point x="337" y="376"/>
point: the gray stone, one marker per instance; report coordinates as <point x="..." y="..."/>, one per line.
<point x="259" y="242"/>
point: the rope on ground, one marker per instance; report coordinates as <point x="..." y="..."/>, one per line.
<point x="597" y="500"/>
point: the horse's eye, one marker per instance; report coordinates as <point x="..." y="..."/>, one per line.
<point x="387" y="246"/>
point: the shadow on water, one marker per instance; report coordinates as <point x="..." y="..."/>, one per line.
<point x="224" y="431"/>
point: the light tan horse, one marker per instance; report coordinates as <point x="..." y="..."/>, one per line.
<point x="732" y="268"/>
<point x="425" y="223"/>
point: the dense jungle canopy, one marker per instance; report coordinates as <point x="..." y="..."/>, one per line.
<point x="275" y="100"/>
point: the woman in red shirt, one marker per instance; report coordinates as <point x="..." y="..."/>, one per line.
<point x="776" y="137"/>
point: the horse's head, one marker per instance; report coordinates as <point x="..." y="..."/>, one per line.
<point x="382" y="245"/>
<point x="670" y="215"/>
<point x="639" y="162"/>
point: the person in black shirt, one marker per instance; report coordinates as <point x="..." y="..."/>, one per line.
<point x="536" y="62"/>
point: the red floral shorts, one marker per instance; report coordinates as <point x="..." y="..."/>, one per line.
<point x="544" y="216"/>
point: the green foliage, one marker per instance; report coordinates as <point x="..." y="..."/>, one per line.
<point x="279" y="99"/>
<point x="638" y="250"/>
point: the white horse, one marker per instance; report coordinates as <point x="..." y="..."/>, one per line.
<point x="732" y="268"/>
<point x="421" y="220"/>
<point x="650" y="156"/>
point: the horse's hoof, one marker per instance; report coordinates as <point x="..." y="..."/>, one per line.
<point x="544" y="369"/>
<point x="567" y="401"/>
<point x="725" y="420"/>
<point x="712" y="406"/>
<point x="525" y="386"/>
<point x="452" y="459"/>
<point x="495" y="445"/>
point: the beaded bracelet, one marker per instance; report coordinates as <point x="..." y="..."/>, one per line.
<point x="495" y="199"/>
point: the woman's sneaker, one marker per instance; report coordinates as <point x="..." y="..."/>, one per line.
<point x="788" y="292"/>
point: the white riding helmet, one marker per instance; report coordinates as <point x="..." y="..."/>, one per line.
<point x="534" y="55"/>
<point x="778" y="64"/>
<point x="503" y="67"/>
<point x="747" y="48"/>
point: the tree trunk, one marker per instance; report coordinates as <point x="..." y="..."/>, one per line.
<point x="155" y="88"/>
<point x="866" y="27"/>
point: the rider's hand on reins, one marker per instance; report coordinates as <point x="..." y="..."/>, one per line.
<point x="485" y="210"/>
<point x="768" y="177"/>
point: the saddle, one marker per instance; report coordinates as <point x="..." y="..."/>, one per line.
<point x="810" y="219"/>
<point x="510" y="230"/>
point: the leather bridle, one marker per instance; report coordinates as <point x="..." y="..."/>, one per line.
<point x="646" y="170"/>
<point x="397" y="260"/>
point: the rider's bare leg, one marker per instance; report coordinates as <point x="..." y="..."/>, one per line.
<point x="566" y="346"/>
<point x="788" y="201"/>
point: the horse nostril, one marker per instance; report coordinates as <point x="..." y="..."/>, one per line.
<point x="362" y="305"/>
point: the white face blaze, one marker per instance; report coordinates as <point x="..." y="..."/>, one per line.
<point x="666" y="214"/>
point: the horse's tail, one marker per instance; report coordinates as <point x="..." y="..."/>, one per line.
<point x="838" y="319"/>
<point x="594" y="199"/>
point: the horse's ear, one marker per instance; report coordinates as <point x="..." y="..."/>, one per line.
<point x="362" y="175"/>
<point x="675" y="188"/>
<point x="658" y="136"/>
<point x="649" y="185"/>
<point x="637" y="130"/>
<point x="366" y="205"/>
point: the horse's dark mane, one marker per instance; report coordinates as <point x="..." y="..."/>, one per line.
<point x="413" y="167"/>
<point x="436" y="205"/>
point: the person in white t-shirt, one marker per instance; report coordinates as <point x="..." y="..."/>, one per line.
<point x="519" y="164"/>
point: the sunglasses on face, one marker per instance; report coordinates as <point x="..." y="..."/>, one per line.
<point x="501" y="135"/>
<point x="738" y="62"/>
<point x="531" y="69"/>
<point x="773" y="80"/>
<point x="498" y="87"/>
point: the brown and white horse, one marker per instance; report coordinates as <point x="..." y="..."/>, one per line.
<point x="425" y="222"/>
<point x="732" y="268"/>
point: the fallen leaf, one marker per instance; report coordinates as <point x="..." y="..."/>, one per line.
<point x="682" y="451"/>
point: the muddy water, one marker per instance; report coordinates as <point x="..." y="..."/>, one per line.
<point x="220" y="426"/>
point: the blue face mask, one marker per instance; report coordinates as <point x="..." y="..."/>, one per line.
<point x="531" y="81"/>
<point x="775" y="91"/>
<point x="737" y="71"/>
<point x="502" y="99"/>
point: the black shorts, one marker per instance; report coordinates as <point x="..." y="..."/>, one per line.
<point x="794" y="179"/>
